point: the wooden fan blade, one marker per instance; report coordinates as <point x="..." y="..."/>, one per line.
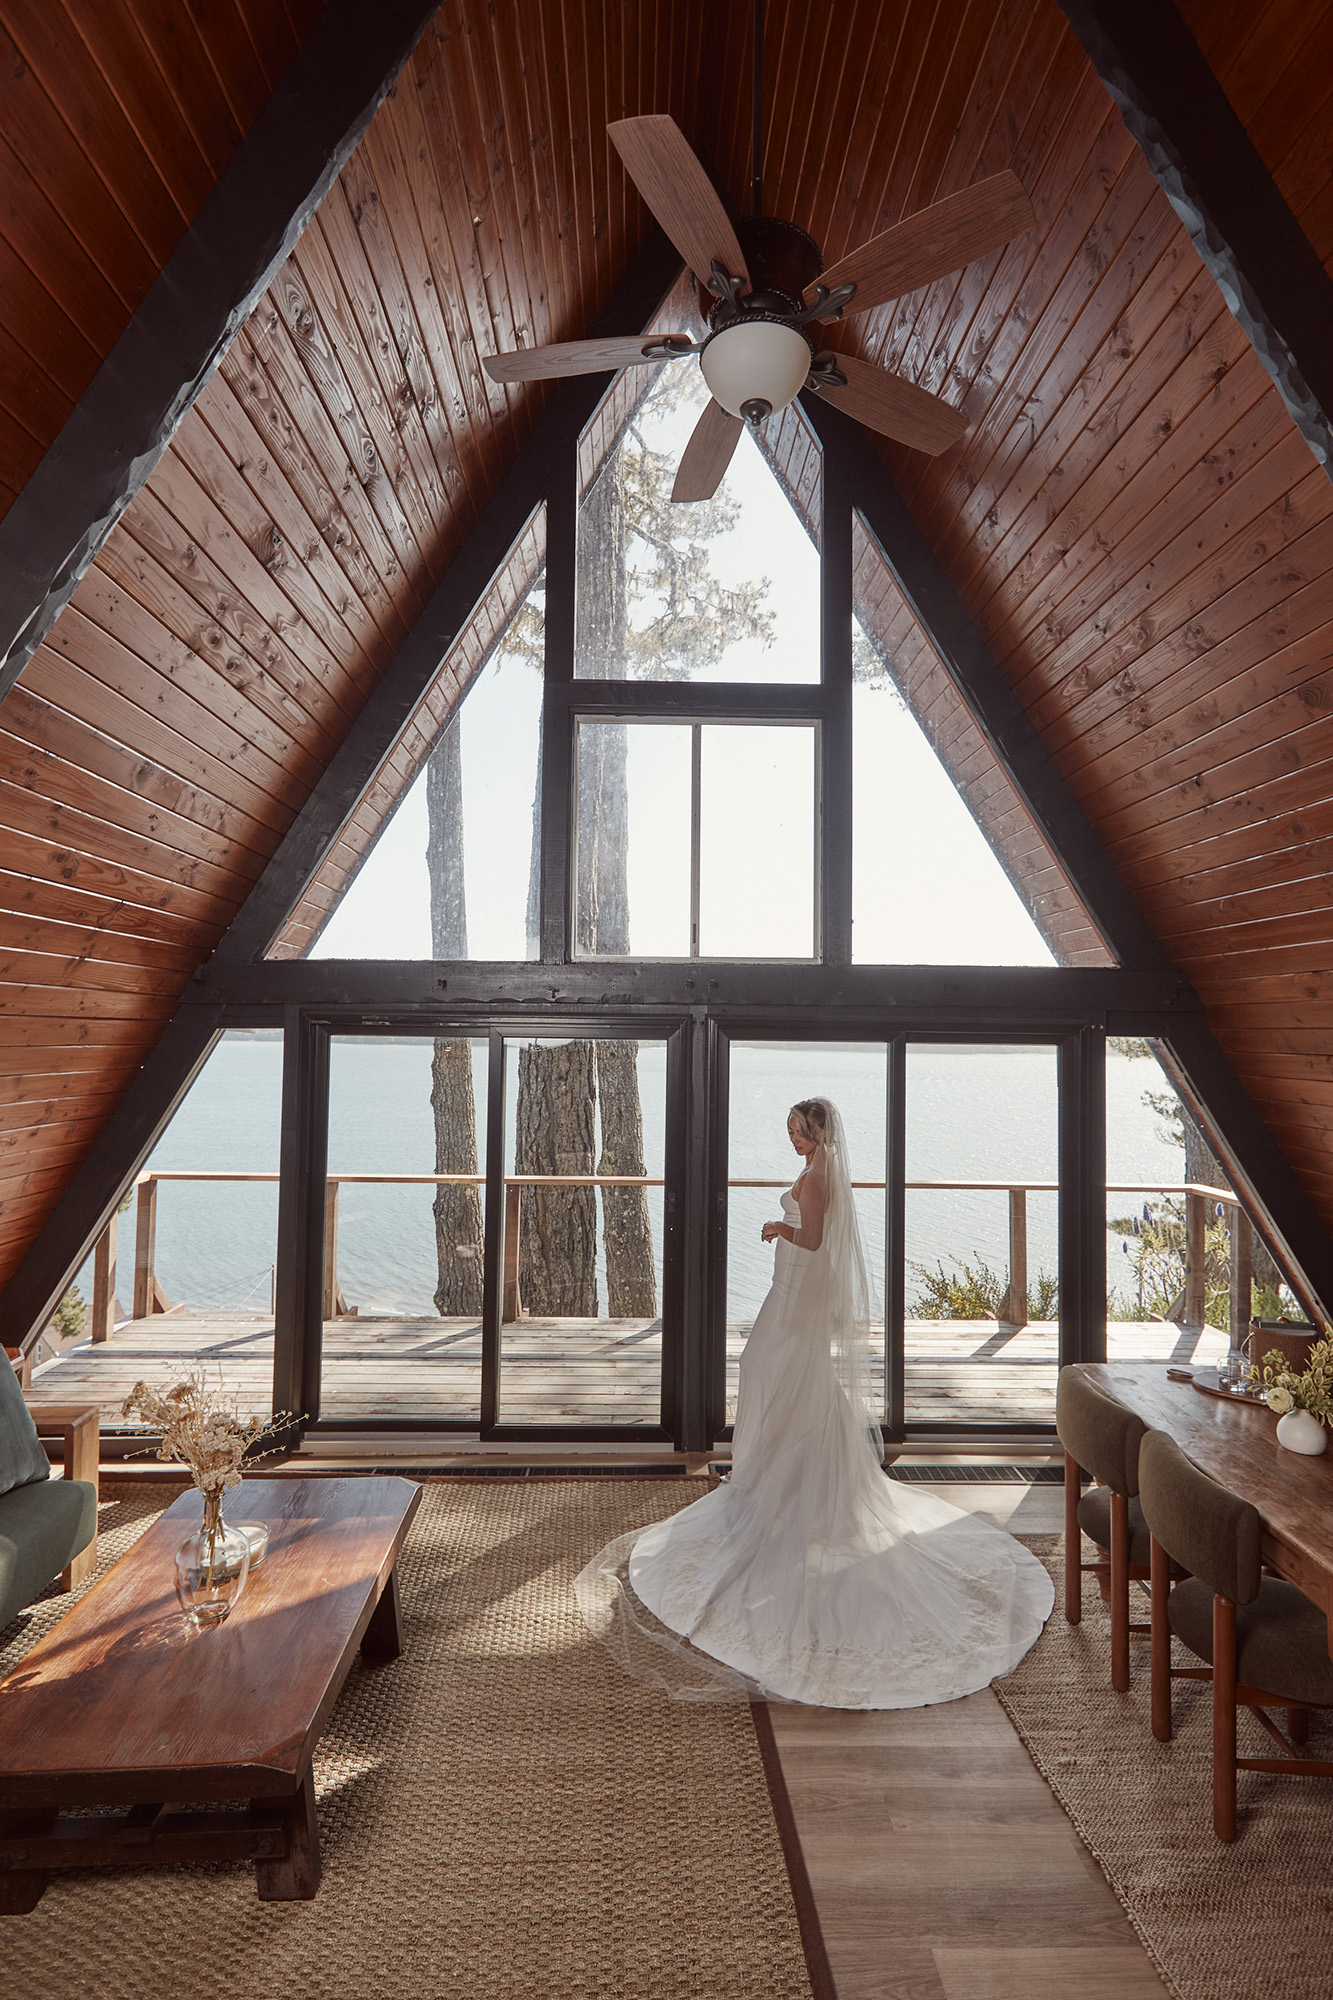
<point x="896" y="408"/>
<point x="706" y="457"/>
<point x="569" y="357"/>
<point x="662" y="165"/>
<point x="941" y="238"/>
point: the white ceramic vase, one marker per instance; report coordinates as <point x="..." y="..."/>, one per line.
<point x="1299" y="1431"/>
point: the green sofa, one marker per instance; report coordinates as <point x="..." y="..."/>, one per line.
<point x="44" y="1522"/>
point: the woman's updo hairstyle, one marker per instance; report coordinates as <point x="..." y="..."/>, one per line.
<point x="811" y="1117"/>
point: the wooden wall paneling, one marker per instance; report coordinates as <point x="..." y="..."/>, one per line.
<point x="54" y="839"/>
<point x="396" y="156"/>
<point x="268" y="375"/>
<point x="272" y="181"/>
<point x="518" y="116"/>
<point x="916" y="343"/>
<point x="225" y="705"/>
<point x="1287" y="690"/>
<point x="41" y="150"/>
<point x="56" y="781"/>
<point x="1279" y="603"/>
<point x="229" y="460"/>
<point x="1101" y="409"/>
<point x="280" y="505"/>
<point x="41" y="239"/>
<point x="1239" y="540"/>
<point x="1250" y="467"/>
<point x="426" y="376"/>
<point x="1236" y="214"/>
<point x="273" y="35"/>
<point x="1004" y="296"/>
<point x="83" y="98"/>
<point x="213" y="508"/>
<point x="83" y="697"/>
<point x="458" y="284"/>
<point x="1160" y="358"/>
<point x="415" y="466"/>
<point x="176" y="45"/>
<point x="94" y="947"/>
<point x="354" y="406"/>
<point x="1257" y="747"/>
<point x="111" y="56"/>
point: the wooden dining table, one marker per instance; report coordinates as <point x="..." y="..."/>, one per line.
<point x="1235" y="1442"/>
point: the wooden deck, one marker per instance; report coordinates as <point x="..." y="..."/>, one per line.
<point x="567" y="1371"/>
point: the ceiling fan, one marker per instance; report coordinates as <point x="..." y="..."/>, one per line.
<point x="764" y="290"/>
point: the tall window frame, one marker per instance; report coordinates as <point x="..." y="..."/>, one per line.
<point x="569" y="699"/>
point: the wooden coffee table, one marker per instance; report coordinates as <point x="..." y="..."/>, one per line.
<point x="124" y="1704"/>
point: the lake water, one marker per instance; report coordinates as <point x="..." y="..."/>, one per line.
<point x="973" y="1114"/>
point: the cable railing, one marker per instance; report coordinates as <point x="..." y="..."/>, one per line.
<point x="149" y="1298"/>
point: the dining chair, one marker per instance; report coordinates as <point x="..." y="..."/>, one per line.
<point x="1265" y="1643"/>
<point x="1101" y="1437"/>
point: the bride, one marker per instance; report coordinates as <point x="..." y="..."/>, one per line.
<point x="807" y="1575"/>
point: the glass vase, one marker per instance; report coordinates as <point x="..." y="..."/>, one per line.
<point x="211" y="1567"/>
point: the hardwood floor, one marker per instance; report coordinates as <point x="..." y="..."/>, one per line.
<point x="941" y="1866"/>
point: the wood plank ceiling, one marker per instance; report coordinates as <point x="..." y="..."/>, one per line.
<point x="1132" y="518"/>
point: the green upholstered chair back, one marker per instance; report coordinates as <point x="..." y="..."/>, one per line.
<point x="1206" y="1528"/>
<point x="22" y="1460"/>
<point x="1099" y="1434"/>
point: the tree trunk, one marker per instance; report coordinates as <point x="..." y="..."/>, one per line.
<point x="555" y="1126"/>
<point x="631" y="1281"/>
<point x="457" y="1210"/>
<point x="459" y="1242"/>
<point x="603" y="889"/>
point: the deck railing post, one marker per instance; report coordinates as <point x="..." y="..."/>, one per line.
<point x="330" y="1307"/>
<point x="1014" y="1305"/>
<point x="1242" y="1275"/>
<point x="1196" y="1223"/>
<point x="104" y="1282"/>
<point x="145" y="1239"/>
<point x="511" y="1307"/>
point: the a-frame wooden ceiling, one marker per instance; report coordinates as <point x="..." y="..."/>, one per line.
<point x="1133" y="519"/>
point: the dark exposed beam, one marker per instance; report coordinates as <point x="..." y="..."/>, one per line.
<point x="399" y="692"/>
<point x="1214" y="178"/>
<point x="996" y="709"/>
<point x="117" y="1153"/>
<point x="247" y="227"/>
<point x="1072" y="994"/>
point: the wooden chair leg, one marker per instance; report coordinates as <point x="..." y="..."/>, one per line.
<point x="1224" y="1718"/>
<point x="1073" y="1545"/>
<point x="1120" y="1593"/>
<point x="1298" y="1724"/>
<point x="1160" y="1585"/>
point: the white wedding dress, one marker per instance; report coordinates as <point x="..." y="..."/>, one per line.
<point x="808" y="1574"/>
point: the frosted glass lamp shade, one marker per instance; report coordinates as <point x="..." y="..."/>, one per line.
<point x="756" y="360"/>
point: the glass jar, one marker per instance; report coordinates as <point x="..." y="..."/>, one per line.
<point x="211" y="1567"/>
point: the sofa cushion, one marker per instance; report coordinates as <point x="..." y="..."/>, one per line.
<point x="43" y="1526"/>
<point x="21" y="1456"/>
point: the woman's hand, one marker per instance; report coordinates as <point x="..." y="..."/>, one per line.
<point x="769" y="1231"/>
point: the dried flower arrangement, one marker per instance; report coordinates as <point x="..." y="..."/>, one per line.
<point x="1283" y="1390"/>
<point x="201" y="1428"/>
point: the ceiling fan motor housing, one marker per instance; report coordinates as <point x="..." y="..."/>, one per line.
<point x="755" y="360"/>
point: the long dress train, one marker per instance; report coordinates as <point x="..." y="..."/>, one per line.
<point x="807" y="1574"/>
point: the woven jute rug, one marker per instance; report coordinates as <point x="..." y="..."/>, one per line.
<point x="502" y="1812"/>
<point x="1250" y="1921"/>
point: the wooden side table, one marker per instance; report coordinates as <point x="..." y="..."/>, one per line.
<point x="79" y="1426"/>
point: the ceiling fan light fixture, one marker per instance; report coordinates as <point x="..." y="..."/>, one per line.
<point x="752" y="361"/>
